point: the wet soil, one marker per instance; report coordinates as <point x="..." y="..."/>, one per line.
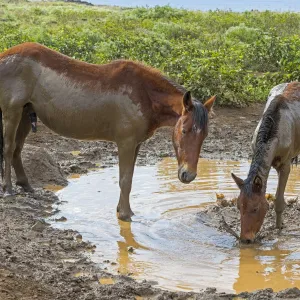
<point x="40" y="262"/>
<point x="214" y="213"/>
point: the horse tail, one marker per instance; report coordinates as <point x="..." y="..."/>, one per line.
<point x="1" y="145"/>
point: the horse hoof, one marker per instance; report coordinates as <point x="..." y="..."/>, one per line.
<point x="26" y="187"/>
<point x="124" y="217"/>
<point x="8" y="196"/>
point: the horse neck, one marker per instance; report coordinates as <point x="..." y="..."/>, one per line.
<point x="167" y="108"/>
<point x="262" y="161"/>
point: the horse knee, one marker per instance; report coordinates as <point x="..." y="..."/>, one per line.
<point x="125" y="188"/>
<point x="9" y="148"/>
<point x="125" y="184"/>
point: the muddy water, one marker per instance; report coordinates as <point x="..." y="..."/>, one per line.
<point x="166" y="242"/>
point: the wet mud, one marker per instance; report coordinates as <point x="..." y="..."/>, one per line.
<point x="38" y="261"/>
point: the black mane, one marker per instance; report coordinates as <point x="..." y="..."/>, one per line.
<point x="266" y="133"/>
<point x="200" y="114"/>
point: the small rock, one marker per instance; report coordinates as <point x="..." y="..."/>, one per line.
<point x="220" y="196"/>
<point x="210" y="290"/>
<point x="90" y="297"/>
<point x="291" y="201"/>
<point x="78" y="237"/>
<point x="222" y="202"/>
<point x="76" y="289"/>
<point x="61" y="219"/>
<point x="130" y="249"/>
<point x="39" y="226"/>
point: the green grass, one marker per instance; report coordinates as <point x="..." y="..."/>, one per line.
<point x="238" y="56"/>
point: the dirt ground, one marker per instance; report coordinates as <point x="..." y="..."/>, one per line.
<point x="40" y="262"/>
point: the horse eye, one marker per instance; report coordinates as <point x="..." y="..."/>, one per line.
<point x="183" y="131"/>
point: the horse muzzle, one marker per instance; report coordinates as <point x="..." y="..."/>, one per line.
<point x="248" y="238"/>
<point x="185" y="176"/>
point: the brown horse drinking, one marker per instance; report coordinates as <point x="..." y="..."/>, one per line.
<point x="275" y="142"/>
<point x="123" y="101"/>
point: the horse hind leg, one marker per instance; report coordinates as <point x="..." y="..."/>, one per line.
<point x="22" y="132"/>
<point x="283" y="175"/>
<point x="11" y="118"/>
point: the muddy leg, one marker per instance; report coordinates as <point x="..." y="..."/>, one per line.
<point x="283" y="175"/>
<point x="127" y="157"/>
<point x="12" y="120"/>
<point x="135" y="157"/>
<point x="22" y="132"/>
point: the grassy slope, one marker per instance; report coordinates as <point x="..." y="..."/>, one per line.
<point x="238" y="56"/>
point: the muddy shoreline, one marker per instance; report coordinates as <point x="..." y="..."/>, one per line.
<point x="40" y="262"/>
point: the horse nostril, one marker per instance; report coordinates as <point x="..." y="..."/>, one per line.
<point x="248" y="241"/>
<point x="183" y="176"/>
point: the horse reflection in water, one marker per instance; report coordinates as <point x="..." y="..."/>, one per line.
<point x="125" y="259"/>
<point x="123" y="101"/>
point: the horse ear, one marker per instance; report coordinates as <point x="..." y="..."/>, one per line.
<point x="239" y="182"/>
<point x="257" y="184"/>
<point x="187" y="101"/>
<point x="210" y="102"/>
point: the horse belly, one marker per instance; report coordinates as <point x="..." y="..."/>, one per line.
<point x="89" y="114"/>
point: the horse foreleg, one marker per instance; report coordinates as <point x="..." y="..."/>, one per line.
<point x="12" y="118"/>
<point x="22" y="132"/>
<point x="283" y="175"/>
<point x="127" y="156"/>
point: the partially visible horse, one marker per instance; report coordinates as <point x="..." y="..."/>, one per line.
<point x="122" y="101"/>
<point x="276" y="142"/>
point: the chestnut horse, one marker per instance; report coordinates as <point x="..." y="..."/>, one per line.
<point x="123" y="101"/>
<point x="276" y="142"/>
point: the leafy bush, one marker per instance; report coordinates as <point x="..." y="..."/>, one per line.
<point x="239" y="56"/>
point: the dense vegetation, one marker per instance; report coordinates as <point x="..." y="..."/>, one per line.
<point x="238" y="56"/>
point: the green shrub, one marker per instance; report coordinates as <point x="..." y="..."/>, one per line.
<point x="239" y="56"/>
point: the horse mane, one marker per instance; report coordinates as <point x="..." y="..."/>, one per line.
<point x="200" y="115"/>
<point x="266" y="133"/>
<point x="161" y="82"/>
<point x="176" y="85"/>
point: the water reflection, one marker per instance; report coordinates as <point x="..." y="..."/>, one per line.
<point x="268" y="266"/>
<point x="126" y="263"/>
<point x="170" y="243"/>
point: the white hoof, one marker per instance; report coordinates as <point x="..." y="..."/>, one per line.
<point x="8" y="196"/>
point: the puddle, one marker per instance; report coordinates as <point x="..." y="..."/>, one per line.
<point x="53" y="187"/>
<point x="106" y="281"/>
<point x="74" y="176"/>
<point x="170" y="245"/>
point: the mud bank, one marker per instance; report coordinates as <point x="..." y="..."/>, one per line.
<point x="213" y="215"/>
<point x="40" y="262"/>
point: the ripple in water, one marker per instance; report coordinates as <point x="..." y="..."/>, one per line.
<point x="171" y="245"/>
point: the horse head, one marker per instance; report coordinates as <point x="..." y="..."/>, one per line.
<point x="252" y="205"/>
<point x="189" y="134"/>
